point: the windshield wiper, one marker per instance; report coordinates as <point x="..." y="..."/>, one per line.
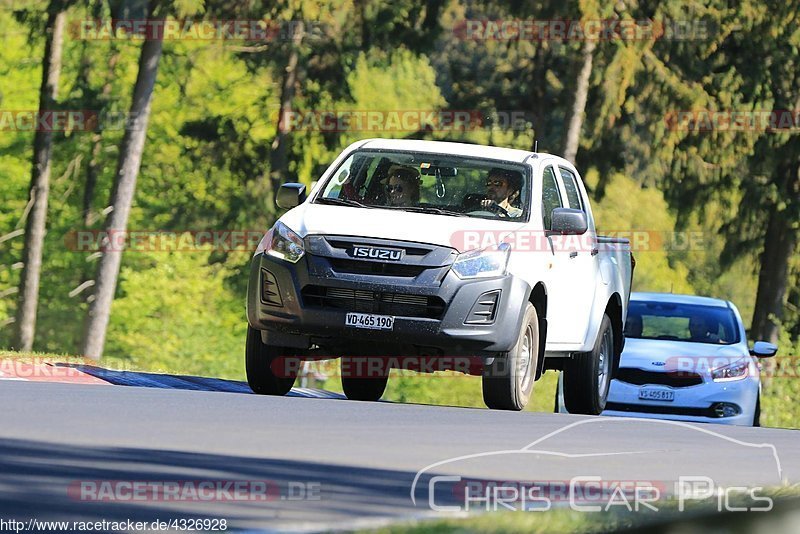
<point x="427" y="209"/>
<point x="341" y="202"/>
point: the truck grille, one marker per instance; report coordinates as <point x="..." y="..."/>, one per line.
<point x="376" y="268"/>
<point x="675" y="379"/>
<point x="356" y="300"/>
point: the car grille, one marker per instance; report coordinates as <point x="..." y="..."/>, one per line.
<point x="375" y="268"/>
<point x="356" y="300"/>
<point x="662" y="410"/>
<point x="675" y="379"/>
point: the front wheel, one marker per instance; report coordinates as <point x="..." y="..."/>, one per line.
<point x="508" y="381"/>
<point x="361" y="380"/>
<point x="757" y="412"/>
<point x="270" y="370"/>
<point x="587" y="376"/>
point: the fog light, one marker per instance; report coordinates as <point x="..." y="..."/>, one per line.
<point x="725" y="409"/>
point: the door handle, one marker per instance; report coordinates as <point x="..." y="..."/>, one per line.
<point x="573" y="254"/>
<point x="595" y="252"/>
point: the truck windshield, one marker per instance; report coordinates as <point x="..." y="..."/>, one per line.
<point x="681" y="322"/>
<point x="430" y="183"/>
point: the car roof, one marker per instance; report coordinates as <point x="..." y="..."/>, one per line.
<point x="679" y="299"/>
<point x="446" y="147"/>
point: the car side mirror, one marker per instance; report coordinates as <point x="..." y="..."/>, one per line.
<point x="290" y="195"/>
<point x="762" y="349"/>
<point x="567" y="221"/>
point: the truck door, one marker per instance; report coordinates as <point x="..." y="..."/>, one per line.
<point x="571" y="286"/>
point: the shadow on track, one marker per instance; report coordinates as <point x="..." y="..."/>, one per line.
<point x="42" y="480"/>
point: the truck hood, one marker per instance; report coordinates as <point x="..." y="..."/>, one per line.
<point x="667" y="355"/>
<point x="460" y="233"/>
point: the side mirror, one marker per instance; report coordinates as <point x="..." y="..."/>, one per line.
<point x="567" y="221"/>
<point x="762" y="349"/>
<point x="290" y="195"/>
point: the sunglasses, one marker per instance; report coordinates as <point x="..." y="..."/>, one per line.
<point x="495" y="183"/>
<point x="395" y="188"/>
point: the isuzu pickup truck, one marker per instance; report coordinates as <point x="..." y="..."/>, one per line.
<point x="440" y="250"/>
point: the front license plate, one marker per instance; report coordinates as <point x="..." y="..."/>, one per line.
<point x="656" y="394"/>
<point x="369" y="321"/>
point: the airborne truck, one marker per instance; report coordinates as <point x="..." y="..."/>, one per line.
<point x="433" y="248"/>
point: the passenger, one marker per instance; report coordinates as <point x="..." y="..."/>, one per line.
<point x="502" y="190"/>
<point x="403" y="186"/>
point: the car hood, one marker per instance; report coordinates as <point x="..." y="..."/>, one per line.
<point x="460" y="233"/>
<point x="668" y="355"/>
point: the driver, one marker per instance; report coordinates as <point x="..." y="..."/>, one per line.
<point x="502" y="189"/>
<point x="701" y="330"/>
<point x="403" y="186"/>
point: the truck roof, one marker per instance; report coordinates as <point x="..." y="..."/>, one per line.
<point x="445" y="147"/>
<point x="679" y="299"/>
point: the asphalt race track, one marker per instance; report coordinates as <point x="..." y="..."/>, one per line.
<point x="329" y="463"/>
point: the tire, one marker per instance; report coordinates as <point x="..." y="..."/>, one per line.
<point x="587" y="376"/>
<point x="757" y="414"/>
<point x="508" y="381"/>
<point x="262" y="362"/>
<point x="357" y="384"/>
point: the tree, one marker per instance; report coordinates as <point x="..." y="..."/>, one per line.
<point x="35" y="226"/>
<point x="130" y="159"/>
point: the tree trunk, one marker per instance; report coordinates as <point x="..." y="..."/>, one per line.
<point x="28" y="300"/>
<point x="780" y="243"/>
<point x="579" y="106"/>
<point x="130" y="159"/>
<point x="279" y="158"/>
<point x="93" y="168"/>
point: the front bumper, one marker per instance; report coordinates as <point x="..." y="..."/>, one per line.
<point x="691" y="404"/>
<point x="298" y="317"/>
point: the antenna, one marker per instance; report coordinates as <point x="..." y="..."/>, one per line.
<point x="536" y="145"/>
<point x="672" y="287"/>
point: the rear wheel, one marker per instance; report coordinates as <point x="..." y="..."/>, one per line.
<point x="270" y="370"/>
<point x="508" y="380"/>
<point x="587" y="376"/>
<point x="362" y="381"/>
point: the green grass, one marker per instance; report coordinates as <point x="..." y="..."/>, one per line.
<point x="564" y="520"/>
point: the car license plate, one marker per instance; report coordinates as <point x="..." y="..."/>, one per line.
<point x="654" y="394"/>
<point x="369" y="321"/>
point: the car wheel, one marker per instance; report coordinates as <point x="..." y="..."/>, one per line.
<point x="360" y="381"/>
<point x="757" y="413"/>
<point x="508" y="380"/>
<point x="587" y="376"/>
<point x="270" y="370"/>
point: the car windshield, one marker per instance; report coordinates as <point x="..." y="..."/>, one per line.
<point x="413" y="181"/>
<point x="681" y="322"/>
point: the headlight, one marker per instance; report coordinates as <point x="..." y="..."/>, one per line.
<point x="282" y="243"/>
<point x="732" y="371"/>
<point x="483" y="263"/>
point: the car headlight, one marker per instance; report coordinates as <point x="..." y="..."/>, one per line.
<point x="483" y="263"/>
<point x="732" y="371"/>
<point x="282" y="243"/>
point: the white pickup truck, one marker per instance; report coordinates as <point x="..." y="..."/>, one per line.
<point x="456" y="252"/>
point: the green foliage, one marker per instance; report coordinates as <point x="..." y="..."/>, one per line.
<point x="641" y="214"/>
<point x="174" y="313"/>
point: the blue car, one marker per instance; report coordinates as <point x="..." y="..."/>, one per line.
<point x="686" y="358"/>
